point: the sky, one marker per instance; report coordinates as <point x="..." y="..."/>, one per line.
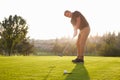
<point x="46" y="20"/>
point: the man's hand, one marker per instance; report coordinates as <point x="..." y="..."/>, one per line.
<point x="75" y="32"/>
<point x="76" y="27"/>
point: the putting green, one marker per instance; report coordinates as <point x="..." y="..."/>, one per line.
<point x="52" y="68"/>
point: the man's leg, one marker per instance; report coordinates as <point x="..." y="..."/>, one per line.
<point x="81" y="43"/>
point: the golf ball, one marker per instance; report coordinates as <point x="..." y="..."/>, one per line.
<point x="65" y="71"/>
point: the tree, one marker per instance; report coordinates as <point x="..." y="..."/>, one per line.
<point x="14" y="30"/>
<point x="25" y="48"/>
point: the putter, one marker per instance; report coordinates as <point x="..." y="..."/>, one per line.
<point x="66" y="47"/>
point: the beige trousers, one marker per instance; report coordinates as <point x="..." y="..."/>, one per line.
<point x="82" y="41"/>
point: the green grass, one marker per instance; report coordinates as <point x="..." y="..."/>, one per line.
<point x="52" y="67"/>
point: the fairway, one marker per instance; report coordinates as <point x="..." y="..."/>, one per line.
<point x="52" y="68"/>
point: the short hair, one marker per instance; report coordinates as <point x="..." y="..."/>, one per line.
<point x="66" y="12"/>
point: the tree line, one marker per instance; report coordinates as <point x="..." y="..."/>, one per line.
<point x="105" y="45"/>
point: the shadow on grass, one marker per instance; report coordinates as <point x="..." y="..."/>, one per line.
<point x="78" y="73"/>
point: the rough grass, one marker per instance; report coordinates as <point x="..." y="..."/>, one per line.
<point x="52" y="67"/>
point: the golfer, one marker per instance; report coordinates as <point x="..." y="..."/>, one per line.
<point x="79" y="23"/>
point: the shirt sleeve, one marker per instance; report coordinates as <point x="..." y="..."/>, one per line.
<point x="74" y="17"/>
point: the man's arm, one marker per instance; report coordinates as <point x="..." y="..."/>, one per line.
<point x="76" y="27"/>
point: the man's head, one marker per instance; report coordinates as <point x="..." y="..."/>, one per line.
<point x="68" y="13"/>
